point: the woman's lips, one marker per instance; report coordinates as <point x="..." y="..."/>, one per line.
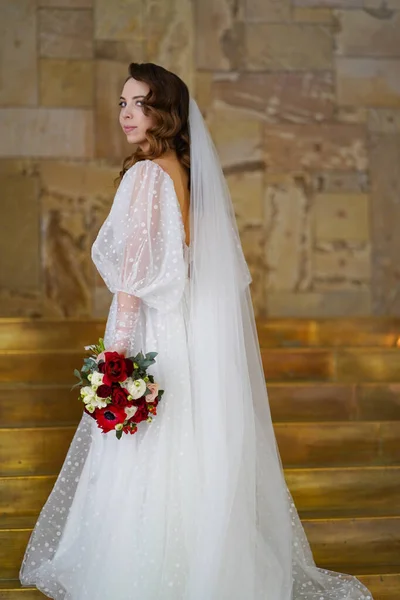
<point x="128" y="129"/>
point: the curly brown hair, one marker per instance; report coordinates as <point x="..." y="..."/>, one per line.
<point x="168" y="103"/>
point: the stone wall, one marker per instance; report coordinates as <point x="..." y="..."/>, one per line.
<point x="302" y="98"/>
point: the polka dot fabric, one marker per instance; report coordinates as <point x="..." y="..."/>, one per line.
<point x="140" y="250"/>
<point x="120" y="522"/>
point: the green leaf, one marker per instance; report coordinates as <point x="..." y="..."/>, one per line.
<point x="118" y="434"/>
<point x="89" y="364"/>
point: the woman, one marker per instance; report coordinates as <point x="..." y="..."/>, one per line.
<point x="194" y="506"/>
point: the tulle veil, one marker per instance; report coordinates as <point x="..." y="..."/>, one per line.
<point x="248" y="525"/>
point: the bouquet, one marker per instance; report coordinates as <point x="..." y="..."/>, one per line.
<point x="116" y="390"/>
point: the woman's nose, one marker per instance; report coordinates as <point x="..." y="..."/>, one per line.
<point x="126" y="112"/>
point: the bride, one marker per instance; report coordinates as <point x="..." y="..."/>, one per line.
<point x="194" y="506"/>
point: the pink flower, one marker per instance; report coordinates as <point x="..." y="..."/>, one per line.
<point x="153" y="387"/>
<point x="100" y="357"/>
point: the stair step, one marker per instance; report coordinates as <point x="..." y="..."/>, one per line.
<point x="385" y="586"/>
<point x="40" y="367"/>
<point x="41" y="450"/>
<point x="328" y="444"/>
<point x="30" y="451"/>
<point x="303" y="401"/>
<point x="345" y="491"/>
<point x="323" y="492"/>
<point x="375" y="569"/>
<point x="366" y="541"/>
<point x="29" y="334"/>
<point x="382" y="587"/>
<point x="24" y="495"/>
<point x="383" y="332"/>
<point x="337" y="544"/>
<point x="349" y="365"/>
<point x="17" y="521"/>
<point x="39" y="405"/>
<point x="10" y="589"/>
<point x="32" y="335"/>
<point x="29" y="405"/>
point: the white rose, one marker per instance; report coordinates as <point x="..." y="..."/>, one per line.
<point x="87" y="391"/>
<point x="96" y="379"/>
<point x="90" y="398"/>
<point x="99" y="402"/>
<point x="90" y="408"/>
<point x="130" y="411"/>
<point x="136" y="388"/>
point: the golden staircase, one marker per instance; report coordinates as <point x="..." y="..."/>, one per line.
<point x="334" y="390"/>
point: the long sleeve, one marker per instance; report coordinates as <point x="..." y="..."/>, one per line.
<point x="139" y="248"/>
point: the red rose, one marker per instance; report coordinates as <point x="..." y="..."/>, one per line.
<point x="107" y="418"/>
<point x="120" y="396"/>
<point x="115" y="368"/>
<point x="129" y="366"/>
<point x="104" y="391"/>
<point x="141" y="414"/>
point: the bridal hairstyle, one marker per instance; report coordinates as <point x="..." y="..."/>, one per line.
<point x="168" y="103"/>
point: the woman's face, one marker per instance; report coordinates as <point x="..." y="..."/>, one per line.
<point x="132" y="119"/>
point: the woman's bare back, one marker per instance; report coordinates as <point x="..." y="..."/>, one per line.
<point x="170" y="163"/>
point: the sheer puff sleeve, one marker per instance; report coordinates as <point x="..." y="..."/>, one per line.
<point x="139" y="248"/>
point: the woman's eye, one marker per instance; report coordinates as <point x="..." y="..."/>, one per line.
<point x="122" y="103"/>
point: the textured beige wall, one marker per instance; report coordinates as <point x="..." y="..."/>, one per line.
<point x="303" y="101"/>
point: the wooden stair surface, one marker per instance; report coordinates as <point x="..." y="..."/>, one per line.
<point x="334" y="395"/>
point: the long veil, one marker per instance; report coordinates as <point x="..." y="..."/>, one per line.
<point x="248" y="528"/>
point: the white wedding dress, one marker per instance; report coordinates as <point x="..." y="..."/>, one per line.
<point x="124" y="519"/>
